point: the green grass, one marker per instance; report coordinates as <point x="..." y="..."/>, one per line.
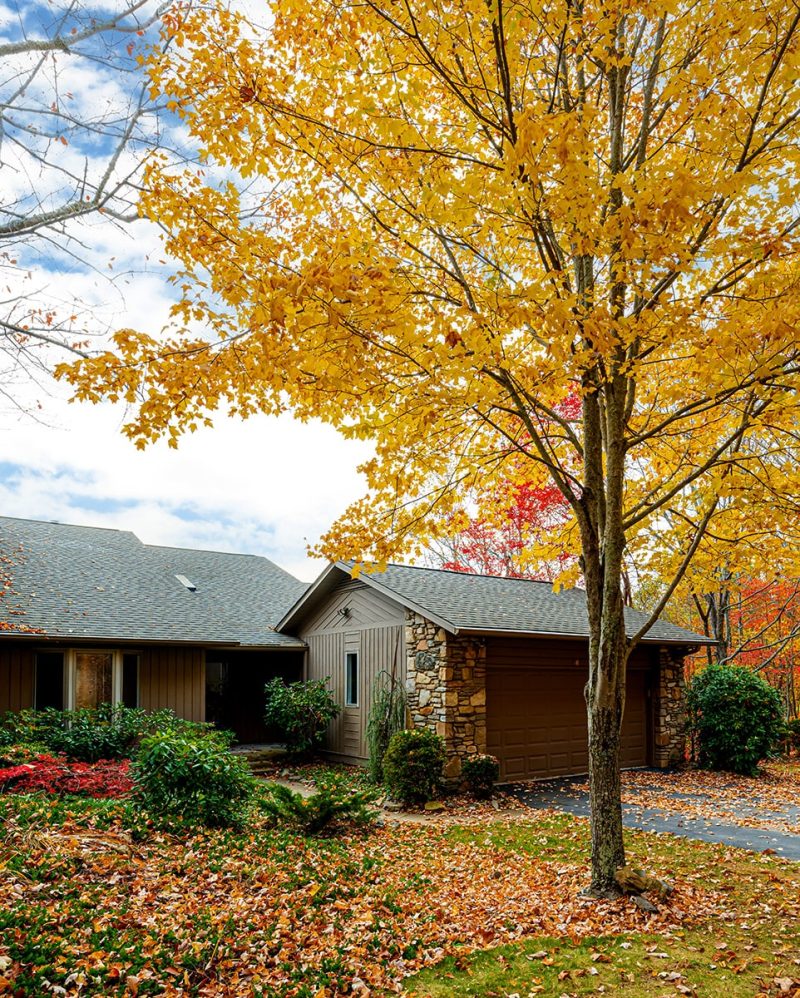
<point x="623" y="965"/>
<point x="737" y="956"/>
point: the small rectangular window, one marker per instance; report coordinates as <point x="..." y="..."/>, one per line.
<point x="49" y="680"/>
<point x="130" y="680"/>
<point x="351" y="679"/>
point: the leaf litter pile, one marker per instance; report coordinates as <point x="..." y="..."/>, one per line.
<point x="86" y="910"/>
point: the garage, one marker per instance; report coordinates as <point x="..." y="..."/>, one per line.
<point x="536" y="713"/>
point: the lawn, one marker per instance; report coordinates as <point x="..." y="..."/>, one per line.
<point x="488" y="908"/>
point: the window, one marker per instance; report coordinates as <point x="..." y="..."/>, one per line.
<point x="351" y="679"/>
<point x="130" y="680"/>
<point x="49" y="680"/>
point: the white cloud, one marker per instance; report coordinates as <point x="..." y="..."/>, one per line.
<point x="265" y="486"/>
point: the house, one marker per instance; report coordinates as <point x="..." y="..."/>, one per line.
<point x="99" y="616"/>
<point x="491" y="664"/>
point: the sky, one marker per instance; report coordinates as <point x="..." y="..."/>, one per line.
<point x="268" y="486"/>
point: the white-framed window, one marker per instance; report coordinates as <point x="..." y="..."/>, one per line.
<point x="96" y="675"/>
<point x="351" y="679"/>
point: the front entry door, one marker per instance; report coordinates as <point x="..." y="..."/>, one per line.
<point x="94" y="672"/>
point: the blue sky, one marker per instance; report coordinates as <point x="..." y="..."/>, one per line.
<point x="266" y="486"/>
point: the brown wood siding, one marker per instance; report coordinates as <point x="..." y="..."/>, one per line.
<point x="373" y="628"/>
<point x="16" y="678"/>
<point x="536" y="713"/>
<point x="367" y="609"/>
<point x="174" y="678"/>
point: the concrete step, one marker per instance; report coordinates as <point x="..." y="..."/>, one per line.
<point x="260" y="758"/>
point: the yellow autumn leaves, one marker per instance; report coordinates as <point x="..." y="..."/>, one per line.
<point x="435" y="221"/>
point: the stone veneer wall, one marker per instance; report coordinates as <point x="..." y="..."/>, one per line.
<point x="446" y="687"/>
<point x="669" y="712"/>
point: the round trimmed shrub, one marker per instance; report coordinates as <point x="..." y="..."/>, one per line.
<point x="413" y="764"/>
<point x="737" y="718"/>
<point x="480" y="774"/>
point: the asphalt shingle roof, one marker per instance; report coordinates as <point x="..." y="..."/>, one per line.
<point x="487" y="603"/>
<point x="91" y="582"/>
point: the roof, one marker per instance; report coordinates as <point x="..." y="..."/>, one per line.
<point x="463" y="602"/>
<point x="95" y="583"/>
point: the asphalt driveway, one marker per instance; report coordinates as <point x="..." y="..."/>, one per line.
<point x="752" y="823"/>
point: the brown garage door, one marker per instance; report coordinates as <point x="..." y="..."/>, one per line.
<point x="536" y="720"/>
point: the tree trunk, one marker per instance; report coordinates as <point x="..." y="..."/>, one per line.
<point x="608" y="849"/>
<point x="605" y="696"/>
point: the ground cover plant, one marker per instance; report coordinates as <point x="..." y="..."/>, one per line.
<point x="488" y="908"/>
<point x="333" y="800"/>
<point x="55" y="775"/>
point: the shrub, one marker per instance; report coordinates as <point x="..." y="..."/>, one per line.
<point x="333" y="800"/>
<point x="736" y="718"/>
<point x="301" y="712"/>
<point x="480" y="774"/>
<point x="49" y="775"/>
<point x="790" y="738"/>
<point x="413" y="764"/>
<point x="103" y="732"/>
<point x="386" y="717"/>
<point x="191" y="780"/>
<point x="14" y="755"/>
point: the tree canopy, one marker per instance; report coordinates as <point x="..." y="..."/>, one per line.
<point x="443" y="221"/>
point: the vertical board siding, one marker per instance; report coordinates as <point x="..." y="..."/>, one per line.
<point x="174" y="678"/>
<point x="374" y="628"/>
<point x="16" y="678"/>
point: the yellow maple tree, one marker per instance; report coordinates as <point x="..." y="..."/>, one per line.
<point x="433" y="223"/>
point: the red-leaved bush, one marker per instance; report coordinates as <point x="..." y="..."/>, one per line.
<point x="53" y="775"/>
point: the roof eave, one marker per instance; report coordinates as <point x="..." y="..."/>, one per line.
<point x="290" y="645"/>
<point x="692" y="642"/>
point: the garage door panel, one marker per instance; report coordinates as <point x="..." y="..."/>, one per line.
<point x="536" y="721"/>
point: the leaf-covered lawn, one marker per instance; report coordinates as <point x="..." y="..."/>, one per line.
<point x="85" y="909"/>
<point x="750" y="947"/>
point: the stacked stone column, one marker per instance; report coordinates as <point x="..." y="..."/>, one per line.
<point x="669" y="711"/>
<point x="446" y="687"/>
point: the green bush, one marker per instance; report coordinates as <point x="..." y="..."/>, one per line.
<point x="191" y="780"/>
<point x="332" y="801"/>
<point x="301" y="712"/>
<point x="480" y="774"/>
<point x="386" y="717"/>
<point x="103" y="732"/>
<point x="736" y="718"/>
<point x="413" y="764"/>
<point x="21" y="752"/>
<point x="6" y="737"/>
